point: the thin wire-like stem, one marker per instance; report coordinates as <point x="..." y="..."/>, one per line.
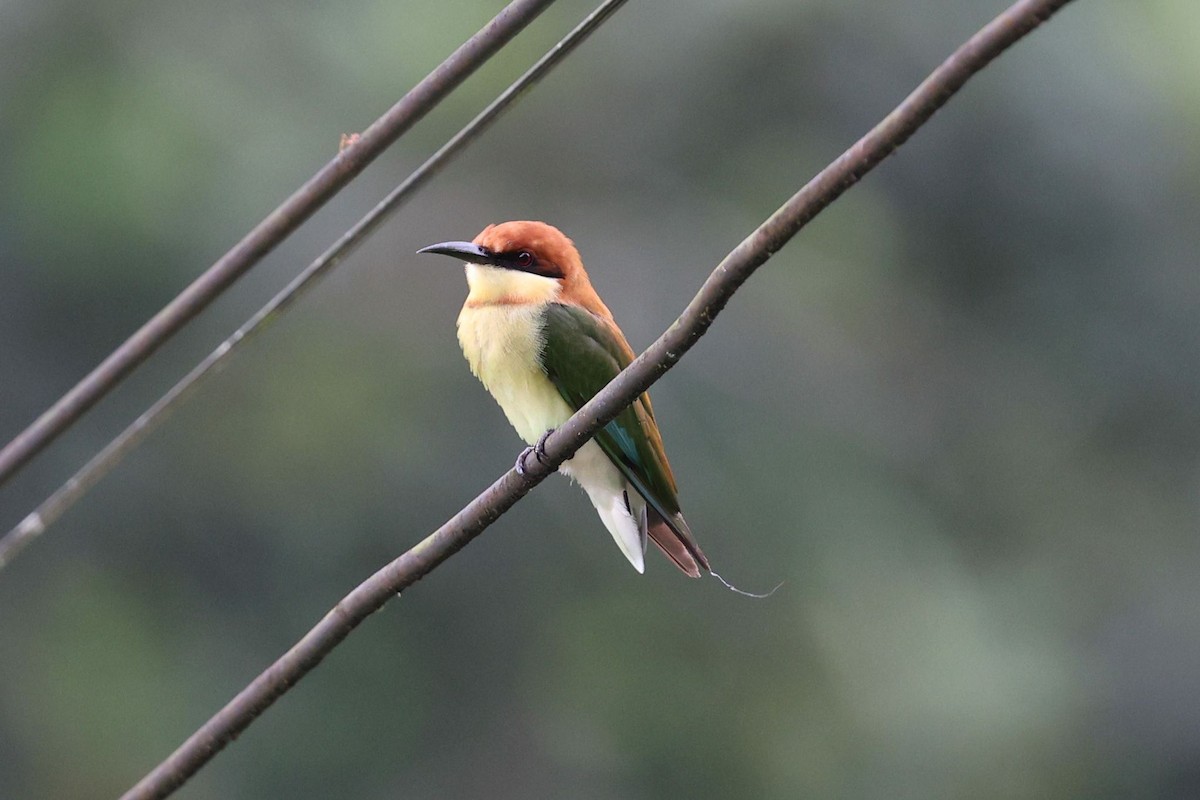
<point x="265" y="236"/>
<point x="54" y="506"/>
<point x="369" y="596"/>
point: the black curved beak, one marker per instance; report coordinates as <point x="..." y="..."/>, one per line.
<point x="464" y="250"/>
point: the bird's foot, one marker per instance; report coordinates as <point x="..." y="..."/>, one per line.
<point x="537" y="450"/>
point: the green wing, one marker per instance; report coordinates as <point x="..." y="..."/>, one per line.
<point x="582" y="354"/>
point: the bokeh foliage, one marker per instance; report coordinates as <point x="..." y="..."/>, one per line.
<point x="957" y="415"/>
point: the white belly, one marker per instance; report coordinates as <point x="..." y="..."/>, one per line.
<point x="502" y="344"/>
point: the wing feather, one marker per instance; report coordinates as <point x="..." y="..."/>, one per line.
<point x="581" y="354"/>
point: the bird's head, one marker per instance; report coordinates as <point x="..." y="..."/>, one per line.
<point x="522" y="262"/>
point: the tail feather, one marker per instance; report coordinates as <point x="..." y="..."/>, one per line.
<point x="674" y="538"/>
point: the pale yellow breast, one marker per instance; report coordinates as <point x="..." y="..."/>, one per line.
<point x="502" y="343"/>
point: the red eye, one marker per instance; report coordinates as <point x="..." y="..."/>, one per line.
<point x="524" y="258"/>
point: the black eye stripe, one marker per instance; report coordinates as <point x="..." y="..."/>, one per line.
<point x="525" y="261"/>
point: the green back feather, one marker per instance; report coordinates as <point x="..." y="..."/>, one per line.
<point x="582" y="354"/>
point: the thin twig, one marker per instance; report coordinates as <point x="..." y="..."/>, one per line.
<point x="54" y="506"/>
<point x="468" y="523"/>
<point x="270" y="232"/>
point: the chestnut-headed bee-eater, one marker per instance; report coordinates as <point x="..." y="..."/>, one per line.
<point x="541" y="340"/>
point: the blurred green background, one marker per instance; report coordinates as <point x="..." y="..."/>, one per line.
<point x="958" y="415"/>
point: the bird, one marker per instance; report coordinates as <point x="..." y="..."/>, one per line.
<point x="543" y="343"/>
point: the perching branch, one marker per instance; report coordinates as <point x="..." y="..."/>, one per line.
<point x="270" y="232"/>
<point x="53" y="507"/>
<point x="1019" y="20"/>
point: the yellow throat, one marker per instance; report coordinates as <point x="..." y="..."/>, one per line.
<point x="500" y="331"/>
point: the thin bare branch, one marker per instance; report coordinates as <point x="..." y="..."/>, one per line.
<point x="54" y="506"/>
<point x="270" y="232"/>
<point x="369" y="596"/>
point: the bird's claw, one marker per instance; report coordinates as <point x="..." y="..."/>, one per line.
<point x="537" y="450"/>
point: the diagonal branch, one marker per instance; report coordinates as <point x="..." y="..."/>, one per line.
<point x="369" y="596"/>
<point x="277" y="226"/>
<point x="53" y="507"/>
